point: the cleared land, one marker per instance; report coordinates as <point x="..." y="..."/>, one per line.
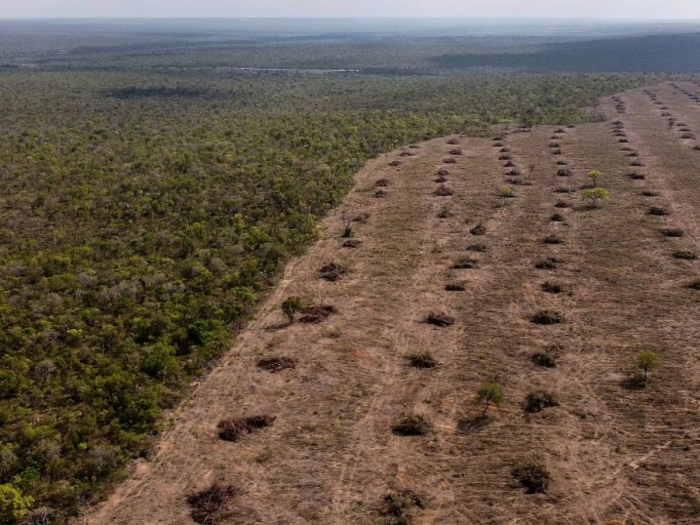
<point x="616" y="454"/>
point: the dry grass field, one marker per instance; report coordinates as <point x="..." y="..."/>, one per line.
<point x="374" y="417"/>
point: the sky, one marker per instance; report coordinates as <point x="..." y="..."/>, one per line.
<point x="591" y="9"/>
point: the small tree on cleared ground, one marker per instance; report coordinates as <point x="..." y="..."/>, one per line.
<point x="671" y="123"/>
<point x="594" y="196"/>
<point x="505" y="194"/>
<point x="594" y="175"/>
<point x="646" y="362"/>
<point x="292" y="306"/>
<point x="489" y="393"/>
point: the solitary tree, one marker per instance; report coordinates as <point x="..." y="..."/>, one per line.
<point x="593" y="175"/>
<point x="291" y="306"/>
<point x="671" y="123"/>
<point x="646" y="362"/>
<point x="595" y="196"/>
<point x="489" y="393"/>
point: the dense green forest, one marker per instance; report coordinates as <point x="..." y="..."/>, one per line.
<point x="145" y="214"/>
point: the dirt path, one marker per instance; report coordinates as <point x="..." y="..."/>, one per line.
<point x="330" y="457"/>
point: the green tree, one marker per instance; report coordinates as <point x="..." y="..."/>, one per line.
<point x="594" y="196"/>
<point x="13" y="506"/>
<point x="594" y="175"/>
<point x="489" y="393"/>
<point x="291" y="306"/>
<point x="646" y="362"/>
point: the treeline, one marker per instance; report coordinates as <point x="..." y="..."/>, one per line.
<point x="143" y="216"/>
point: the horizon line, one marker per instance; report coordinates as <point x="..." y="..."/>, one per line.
<point x="459" y="18"/>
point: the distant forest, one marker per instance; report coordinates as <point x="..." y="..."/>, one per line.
<point x="658" y="53"/>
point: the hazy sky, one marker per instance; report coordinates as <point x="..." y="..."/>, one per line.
<point x="601" y="9"/>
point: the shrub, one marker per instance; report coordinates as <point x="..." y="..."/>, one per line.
<point x="234" y="428"/>
<point x="455" y="287"/>
<point x="291" y="306"/>
<point x="532" y="473"/>
<point x="489" y="393"/>
<point x="556" y="218"/>
<point x="411" y="425"/>
<point x="538" y="400"/>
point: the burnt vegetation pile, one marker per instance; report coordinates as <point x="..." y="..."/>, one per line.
<point x="233" y="429"/>
<point x="209" y="506"/>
